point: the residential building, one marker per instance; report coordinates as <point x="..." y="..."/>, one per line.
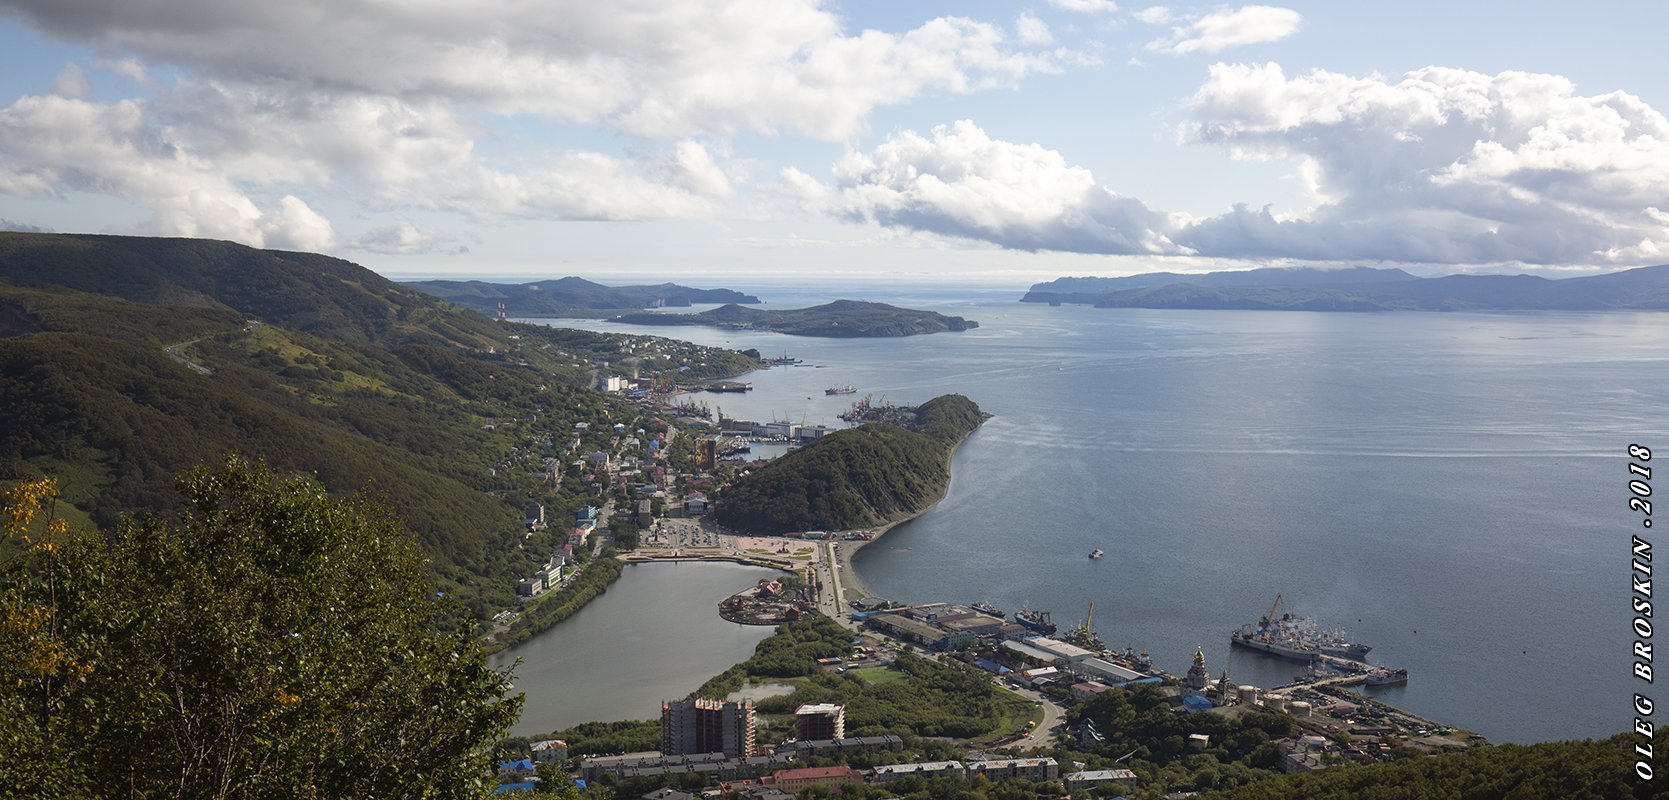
<point x="1026" y="769"/>
<point x="793" y="780"/>
<point x="820" y="721"/>
<point x="707" y="726"/>
<point x="1094" y="778"/>
<point x="887" y="773"/>
<point x="549" y="750"/>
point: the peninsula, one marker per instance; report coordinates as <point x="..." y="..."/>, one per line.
<point x="1362" y="289"/>
<point x="863" y="477"/>
<point x="571" y="297"/>
<point x="841" y="319"/>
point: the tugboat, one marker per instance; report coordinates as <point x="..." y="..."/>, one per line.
<point x="1035" y="620"/>
<point x="1096" y="553"/>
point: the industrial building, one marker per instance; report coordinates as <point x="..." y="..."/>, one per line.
<point x="707" y="726"/>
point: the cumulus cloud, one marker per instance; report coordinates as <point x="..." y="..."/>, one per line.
<point x="404" y="239"/>
<point x="1221" y="30"/>
<point x="641" y="66"/>
<point x="21" y="227"/>
<point x="1442" y="166"/>
<point x="1154" y="15"/>
<point x="56" y="144"/>
<point x="1086" y="6"/>
<point x="72" y="82"/>
<point x="1032" y="30"/>
<point x="961" y="182"/>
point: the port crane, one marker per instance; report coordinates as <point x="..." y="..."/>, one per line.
<point x="1269" y="619"/>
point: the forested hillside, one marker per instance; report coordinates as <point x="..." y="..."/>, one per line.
<point x="126" y="361"/>
<point x="856" y="478"/>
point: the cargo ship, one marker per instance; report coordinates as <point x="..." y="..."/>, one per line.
<point x="1295" y="638"/>
<point x="1035" y="620"/>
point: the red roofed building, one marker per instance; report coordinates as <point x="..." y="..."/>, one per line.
<point x="793" y="780"/>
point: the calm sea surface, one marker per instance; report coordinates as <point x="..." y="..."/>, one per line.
<point x="1449" y="487"/>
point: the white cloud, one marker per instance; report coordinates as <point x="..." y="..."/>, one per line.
<point x="58" y="144"/>
<point x="1154" y="15"/>
<point x="1219" y="31"/>
<point x="1032" y="30"/>
<point x="72" y="83"/>
<point x="963" y="183"/>
<point x="641" y="66"/>
<point x="1086" y="6"/>
<point x="403" y="239"/>
<point x="295" y="226"/>
<point x="1441" y="167"/>
<point x="131" y="68"/>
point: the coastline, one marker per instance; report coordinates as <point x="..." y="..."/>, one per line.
<point x="846" y="549"/>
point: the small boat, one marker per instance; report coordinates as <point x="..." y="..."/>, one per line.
<point x="1096" y="553"/>
<point x="1386" y="677"/>
<point x="987" y="608"/>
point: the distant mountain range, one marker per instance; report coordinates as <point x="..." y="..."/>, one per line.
<point x="844" y="319"/>
<point x="1363" y="289"/>
<point x="568" y="296"/>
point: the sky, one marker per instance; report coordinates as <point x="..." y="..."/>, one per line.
<point x="523" y="139"/>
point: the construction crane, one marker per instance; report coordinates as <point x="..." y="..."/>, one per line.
<point x="1270" y="617"/>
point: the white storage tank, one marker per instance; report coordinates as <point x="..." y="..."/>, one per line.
<point x="1248" y="694"/>
<point x="1275" y="702"/>
<point x="1299" y="708"/>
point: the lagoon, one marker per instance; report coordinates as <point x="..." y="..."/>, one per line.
<point x="654" y="635"/>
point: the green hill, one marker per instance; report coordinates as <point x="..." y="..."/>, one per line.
<point x="841" y="319"/>
<point x="571" y="296"/>
<point x="125" y="361"/>
<point x="1362" y="289"/>
<point x="856" y="478"/>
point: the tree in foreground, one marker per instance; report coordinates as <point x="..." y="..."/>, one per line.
<point x="268" y="642"/>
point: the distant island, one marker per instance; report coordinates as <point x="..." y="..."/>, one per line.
<point x="863" y="477"/>
<point x="571" y="296"/>
<point x="844" y="319"/>
<point x="1363" y="289"/>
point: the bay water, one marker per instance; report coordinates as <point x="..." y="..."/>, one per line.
<point x="1449" y="487"/>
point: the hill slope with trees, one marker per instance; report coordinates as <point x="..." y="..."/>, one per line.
<point x="125" y="361"/>
<point x="841" y="319"/>
<point x="856" y="478"/>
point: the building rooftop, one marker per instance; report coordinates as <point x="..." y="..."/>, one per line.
<point x="925" y="766"/>
<point x="814" y="773"/>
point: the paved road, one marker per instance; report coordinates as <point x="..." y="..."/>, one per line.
<point x="1053" y="717"/>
